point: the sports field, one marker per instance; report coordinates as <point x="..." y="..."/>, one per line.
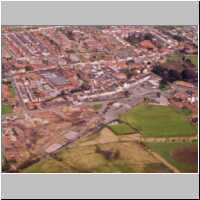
<point x="158" y="121"/>
<point x="183" y="155"/>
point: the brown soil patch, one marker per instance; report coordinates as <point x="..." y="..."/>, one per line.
<point x="187" y="155"/>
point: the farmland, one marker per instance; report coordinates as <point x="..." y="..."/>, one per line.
<point x="158" y="121"/>
<point x="121" y="129"/>
<point x="99" y="153"/>
<point x="184" y="156"/>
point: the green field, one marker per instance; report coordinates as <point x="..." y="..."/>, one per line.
<point x="166" y="149"/>
<point x="97" y="106"/>
<point x="194" y="59"/>
<point x="11" y="89"/>
<point x="184" y="111"/>
<point x="121" y="129"/>
<point x="158" y="121"/>
<point x="6" y="109"/>
<point x="177" y="57"/>
<point x="132" y="158"/>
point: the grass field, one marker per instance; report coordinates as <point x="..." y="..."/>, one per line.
<point x="133" y="158"/>
<point x="177" y="57"/>
<point x="185" y="111"/>
<point x="97" y="106"/>
<point x="6" y="109"/>
<point x="166" y="149"/>
<point x="121" y="129"/>
<point x="194" y="59"/>
<point x="83" y="157"/>
<point x="158" y="121"/>
<point x="12" y="90"/>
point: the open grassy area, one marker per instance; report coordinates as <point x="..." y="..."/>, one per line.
<point x="11" y="89"/>
<point x="121" y="129"/>
<point x="177" y="58"/>
<point x="5" y="108"/>
<point x="185" y="111"/>
<point x="84" y="157"/>
<point x="166" y="151"/>
<point x="158" y="121"/>
<point x="193" y="58"/>
<point x="97" y="106"/>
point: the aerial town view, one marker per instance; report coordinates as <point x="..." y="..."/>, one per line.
<point x="99" y="99"/>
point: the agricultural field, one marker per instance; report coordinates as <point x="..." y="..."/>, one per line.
<point x="158" y="121"/>
<point x="96" y="154"/>
<point x="183" y="156"/>
<point x="121" y="129"/>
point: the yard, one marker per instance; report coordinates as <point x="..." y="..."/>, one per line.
<point x="158" y="121"/>
<point x="183" y="156"/>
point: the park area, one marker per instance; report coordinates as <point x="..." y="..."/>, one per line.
<point x="158" y="121"/>
<point x="100" y="153"/>
<point x="182" y="155"/>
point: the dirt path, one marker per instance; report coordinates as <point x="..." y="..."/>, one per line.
<point x="136" y="137"/>
<point x="170" y="139"/>
<point x="165" y="162"/>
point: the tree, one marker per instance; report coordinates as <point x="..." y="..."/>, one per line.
<point x="188" y="61"/>
<point x="128" y="72"/>
<point x="29" y="68"/>
<point x="158" y="94"/>
<point x="126" y="93"/>
<point x="146" y="99"/>
<point x="159" y="70"/>
<point x="173" y="75"/>
<point x="163" y="83"/>
<point x="188" y="74"/>
<point x="148" y="36"/>
<point x="70" y="35"/>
